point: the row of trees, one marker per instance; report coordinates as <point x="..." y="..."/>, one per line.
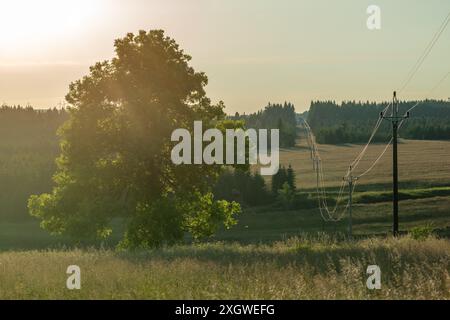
<point x="28" y="148"/>
<point x="350" y="133"/>
<point x="274" y="116"/>
<point x="352" y="122"/>
<point x="25" y="126"/>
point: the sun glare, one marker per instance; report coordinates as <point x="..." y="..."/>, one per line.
<point x="40" y="20"/>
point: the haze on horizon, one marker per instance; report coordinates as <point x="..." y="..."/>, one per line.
<point x="253" y="51"/>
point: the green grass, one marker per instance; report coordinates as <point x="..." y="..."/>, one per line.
<point x="265" y="225"/>
<point x="384" y="196"/>
<point x="270" y="254"/>
<point x="28" y="235"/>
<point x="300" y="268"/>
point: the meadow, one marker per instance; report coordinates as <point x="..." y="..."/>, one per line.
<point x="271" y="253"/>
<point x="422" y="163"/>
<point x="298" y="268"/>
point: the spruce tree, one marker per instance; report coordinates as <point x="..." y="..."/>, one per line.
<point x="290" y="177"/>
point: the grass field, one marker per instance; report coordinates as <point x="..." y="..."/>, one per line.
<point x="270" y="253"/>
<point x="421" y="163"/>
<point x="266" y="225"/>
<point x="294" y="269"/>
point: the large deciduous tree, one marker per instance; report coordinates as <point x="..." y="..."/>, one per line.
<point x="115" y="150"/>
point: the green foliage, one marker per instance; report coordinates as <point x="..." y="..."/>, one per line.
<point x="205" y="215"/>
<point x="289" y="199"/>
<point x="290" y="177"/>
<point x="165" y="221"/>
<point x="286" y="196"/>
<point x="285" y="191"/>
<point x="115" y="151"/>
<point x="278" y="180"/>
<point x="281" y="177"/>
<point x="404" y="194"/>
<point x="421" y="233"/>
<point x="242" y="186"/>
<point x="154" y="225"/>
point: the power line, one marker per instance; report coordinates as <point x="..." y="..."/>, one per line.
<point x="410" y="76"/>
<point x="315" y="156"/>
<point x="440" y="82"/>
<point x="317" y="161"/>
<point x="322" y="195"/>
<point x="426" y="53"/>
<point x="377" y="160"/>
<point x="408" y="80"/>
<point x="418" y="103"/>
<point x="358" y="159"/>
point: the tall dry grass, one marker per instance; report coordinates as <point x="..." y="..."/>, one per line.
<point x="423" y="162"/>
<point x="299" y="268"/>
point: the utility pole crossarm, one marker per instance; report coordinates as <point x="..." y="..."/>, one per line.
<point x="395" y="117"/>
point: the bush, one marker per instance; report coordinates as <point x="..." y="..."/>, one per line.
<point x="242" y="186"/>
<point x="289" y="199"/>
<point x="421" y="233"/>
<point x="286" y="196"/>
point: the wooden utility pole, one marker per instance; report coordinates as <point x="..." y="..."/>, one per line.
<point x="351" y="182"/>
<point x="396" y="120"/>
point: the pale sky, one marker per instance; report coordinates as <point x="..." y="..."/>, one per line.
<point x="253" y="51"/>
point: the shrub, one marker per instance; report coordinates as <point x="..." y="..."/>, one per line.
<point x="421" y="233"/>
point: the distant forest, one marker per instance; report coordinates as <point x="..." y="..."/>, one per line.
<point x="353" y="122"/>
<point x="28" y="148"/>
<point x="274" y="116"/>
